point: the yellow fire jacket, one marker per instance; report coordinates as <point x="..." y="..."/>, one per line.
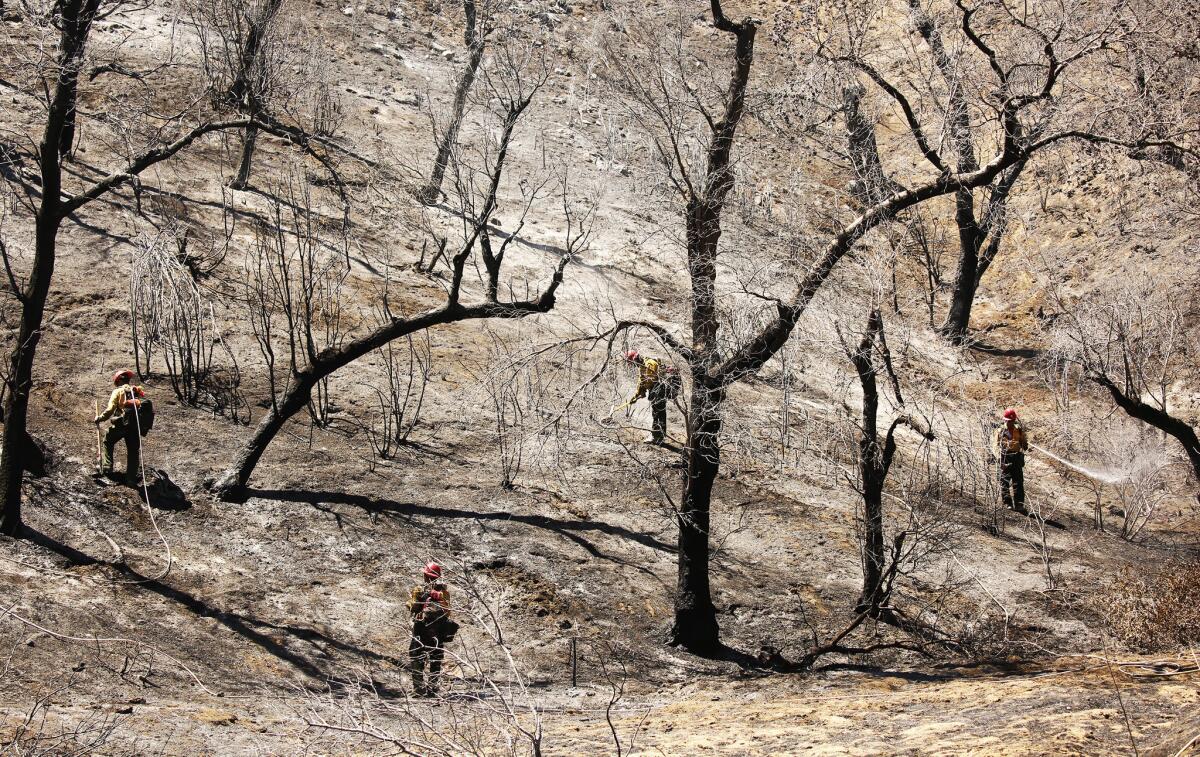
<point x="122" y="397"/>
<point x="1008" y="444"/>
<point x="648" y="377"/>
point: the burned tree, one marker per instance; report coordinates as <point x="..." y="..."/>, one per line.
<point x="252" y="79"/>
<point x="170" y="314"/>
<point x="662" y="103"/>
<point x="875" y="459"/>
<point x="260" y="61"/>
<point x="1132" y="344"/>
<point x="53" y="203"/>
<point x="512" y="87"/>
<point x="475" y="31"/>
<point x="295" y="274"/>
<point x="979" y="232"/>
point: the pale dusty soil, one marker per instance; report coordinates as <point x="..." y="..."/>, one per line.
<point x="939" y="712"/>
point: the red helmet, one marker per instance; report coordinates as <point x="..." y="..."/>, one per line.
<point x="432" y="570"/>
<point x="123" y="374"/>
<point x="1010" y="414"/>
<point x="632" y="356"/>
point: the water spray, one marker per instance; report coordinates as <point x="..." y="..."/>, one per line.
<point x="1107" y="477"/>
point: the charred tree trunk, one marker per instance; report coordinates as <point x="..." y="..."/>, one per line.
<point x="962" y="296"/>
<point x="696" y="627"/>
<point x="979" y="242"/>
<point x="873" y="464"/>
<point x="16" y="406"/>
<point x="76" y="22"/>
<point x="474" y="38"/>
<point x="66" y="137"/>
<point x="231" y="484"/>
<point x="242" y="180"/>
<point x="246" y="92"/>
<point x="235" y="478"/>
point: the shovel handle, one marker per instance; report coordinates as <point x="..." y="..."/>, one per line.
<point x="99" y="453"/>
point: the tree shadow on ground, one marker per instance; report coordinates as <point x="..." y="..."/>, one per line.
<point x="250" y="628"/>
<point x="1028" y="353"/>
<point x="569" y="529"/>
<point x="912" y="676"/>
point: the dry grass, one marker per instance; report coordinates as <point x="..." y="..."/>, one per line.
<point x="1159" y="610"/>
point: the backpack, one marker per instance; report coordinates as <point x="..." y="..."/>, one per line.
<point x="143" y="409"/>
<point x="145" y="416"/>
<point x="672" y="382"/>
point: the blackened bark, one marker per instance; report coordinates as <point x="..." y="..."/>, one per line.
<point x="474" y="37"/>
<point x="874" y="461"/>
<point x="703" y="225"/>
<point x="870" y="466"/>
<point x="962" y="297"/>
<point x="249" y="138"/>
<point x="66" y="137"/>
<point x="235" y="478"/>
<point x="871" y="185"/>
<point x="245" y="91"/>
<point x="75" y="19"/>
<point x="695" y="626"/>
<point x="231" y="483"/>
<point x="1159" y="419"/>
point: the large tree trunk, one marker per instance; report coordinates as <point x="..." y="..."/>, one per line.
<point x="874" y="462"/>
<point x="696" y="626"/>
<point x="979" y="243"/>
<point x="474" y="37"/>
<point x="237" y="475"/>
<point x="242" y="180"/>
<point x="66" y="137"/>
<point x="970" y="239"/>
<point x="872" y="466"/>
<point x="75" y="21"/>
<point x="16" y="404"/>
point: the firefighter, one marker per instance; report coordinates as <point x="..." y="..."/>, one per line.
<point x="122" y="412"/>
<point x="1010" y="445"/>
<point x="432" y="628"/>
<point x="656" y="382"/>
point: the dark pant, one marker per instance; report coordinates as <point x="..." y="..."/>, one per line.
<point x="126" y="430"/>
<point x="426" y="647"/>
<point x="1012" y="480"/>
<point x="658" y="411"/>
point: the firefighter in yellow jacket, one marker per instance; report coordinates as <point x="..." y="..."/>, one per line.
<point x="654" y="385"/>
<point x="432" y="628"/>
<point x="1009" y="447"/>
<point x="124" y="426"/>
